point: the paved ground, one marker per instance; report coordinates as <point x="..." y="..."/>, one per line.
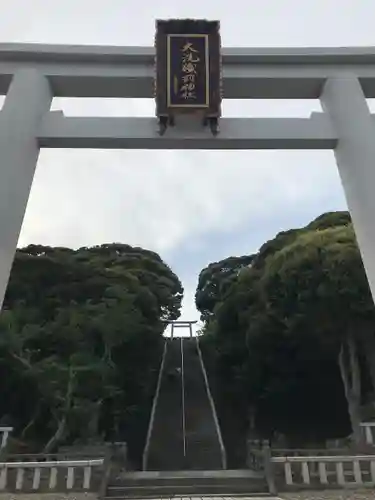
<point x="88" y="496"/>
<point x="321" y="495"/>
<point x="48" y="496"/>
<point x="368" y="494"/>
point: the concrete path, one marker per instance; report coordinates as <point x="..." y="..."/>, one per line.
<point x="365" y="494"/>
<point x="368" y="494"/>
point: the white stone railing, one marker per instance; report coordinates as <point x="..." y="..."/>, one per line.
<point x="51" y="475"/>
<point x="342" y="471"/>
<point x="369" y="429"/>
<point x="4" y="435"/>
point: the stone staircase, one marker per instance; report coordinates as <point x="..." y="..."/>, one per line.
<point x="202" y="443"/>
<point x="169" y="449"/>
<point x="166" y="451"/>
<point x="190" y="467"/>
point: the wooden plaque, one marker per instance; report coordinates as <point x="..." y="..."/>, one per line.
<point x="188" y="67"/>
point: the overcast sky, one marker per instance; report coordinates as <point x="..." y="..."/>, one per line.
<point x="192" y="207"/>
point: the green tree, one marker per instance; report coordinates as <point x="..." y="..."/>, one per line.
<point x="80" y="342"/>
<point x="317" y="286"/>
<point x="289" y="325"/>
<point x="215" y="280"/>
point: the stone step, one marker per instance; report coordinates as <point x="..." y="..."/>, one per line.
<point x="195" y="490"/>
<point x="187" y="477"/>
<point x="186" y="483"/>
<point x="202" y="496"/>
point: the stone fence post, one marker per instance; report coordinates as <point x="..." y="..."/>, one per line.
<point x="269" y="467"/>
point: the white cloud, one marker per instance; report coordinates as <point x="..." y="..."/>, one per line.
<point x="160" y="199"/>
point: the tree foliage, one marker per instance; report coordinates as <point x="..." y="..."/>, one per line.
<point x="80" y="342"/>
<point x="294" y="334"/>
<point x="215" y="280"/>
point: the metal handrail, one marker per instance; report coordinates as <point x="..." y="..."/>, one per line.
<point x="183" y="397"/>
<point x="153" y="410"/>
<point x="213" y="409"/>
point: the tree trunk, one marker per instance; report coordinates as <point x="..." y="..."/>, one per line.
<point x="369" y="351"/>
<point x="31" y="421"/>
<point x="93" y="424"/>
<point x="251" y="422"/>
<point x="57" y="437"/>
<point x="62" y="423"/>
<point x="351" y="377"/>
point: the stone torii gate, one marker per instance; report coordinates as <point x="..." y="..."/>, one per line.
<point x="181" y="324"/>
<point x="30" y="75"/>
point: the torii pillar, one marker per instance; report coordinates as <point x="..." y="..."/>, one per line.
<point x="344" y="102"/>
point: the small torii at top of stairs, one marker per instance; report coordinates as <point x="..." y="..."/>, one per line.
<point x="181" y="324"/>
